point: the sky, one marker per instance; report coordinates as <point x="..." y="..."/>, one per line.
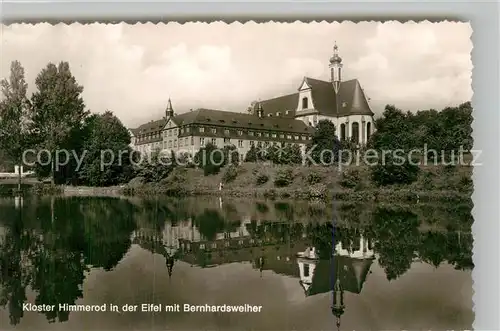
<point x="132" y="70"/>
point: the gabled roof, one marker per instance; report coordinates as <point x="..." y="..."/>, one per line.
<point x="150" y="127"/>
<point x="212" y="117"/>
<point x="281" y="104"/>
<point x="351" y="100"/>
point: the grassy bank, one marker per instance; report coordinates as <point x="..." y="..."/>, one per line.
<point x="434" y="183"/>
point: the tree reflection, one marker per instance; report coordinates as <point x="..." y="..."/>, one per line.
<point x="50" y="244"/>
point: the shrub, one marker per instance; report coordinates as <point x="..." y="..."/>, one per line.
<point x="230" y="174"/>
<point x="283" y="178"/>
<point x="262" y="179"/>
<point x="465" y="183"/>
<point x="350" y="178"/>
<point x="428" y="180"/>
<point x="313" y="178"/>
<point x="391" y="173"/>
<point x="318" y="191"/>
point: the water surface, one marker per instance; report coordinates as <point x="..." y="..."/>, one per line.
<point x="393" y="267"/>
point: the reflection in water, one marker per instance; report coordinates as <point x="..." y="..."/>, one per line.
<point x="50" y="246"/>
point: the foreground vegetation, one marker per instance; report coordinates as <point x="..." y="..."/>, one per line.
<point x="309" y="182"/>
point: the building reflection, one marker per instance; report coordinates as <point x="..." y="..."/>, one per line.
<point x="281" y="248"/>
<point x="349" y="269"/>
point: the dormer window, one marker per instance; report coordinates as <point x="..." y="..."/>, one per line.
<point x="278" y="114"/>
<point x="305" y="103"/>
<point x="269" y="115"/>
<point x="287" y="112"/>
<point x="344" y="104"/>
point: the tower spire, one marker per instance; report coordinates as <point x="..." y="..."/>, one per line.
<point x="336" y="68"/>
<point x="169" y="112"/>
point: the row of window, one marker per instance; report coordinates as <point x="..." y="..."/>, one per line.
<point x="201" y="129"/>
<point x="189" y="141"/>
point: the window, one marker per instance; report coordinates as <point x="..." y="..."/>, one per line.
<point x="227" y="140"/>
<point x="259" y="134"/>
<point x="252" y="143"/>
<point x="202" y="246"/>
<point x="175" y="143"/>
<point x="202" y="129"/>
<point x="192" y="141"/>
<point x="342" y="131"/>
<point x="226" y="131"/>
<point x="296" y="138"/>
<point x="187" y="129"/>
<point x="182" y="130"/>
<point x="213" y="130"/>
<point x="266" y="134"/>
<point x="282" y="136"/>
<point x="269" y="115"/>
<point x="240" y="143"/>
<point x="250" y="133"/>
<point x="202" y="141"/>
<point x="214" y="141"/>
<point x="305" y="103"/>
<point x="288" y="137"/>
<point x="274" y="135"/>
<point x="240" y="133"/>
<point x="259" y="144"/>
<point x="278" y="114"/>
<point x="355" y="132"/>
<point x="306" y="270"/>
<point x="368" y="130"/>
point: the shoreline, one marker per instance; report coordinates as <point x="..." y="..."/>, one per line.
<point x="408" y="195"/>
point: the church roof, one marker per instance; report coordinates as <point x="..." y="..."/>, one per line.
<point x="352" y="273"/>
<point x="351" y="100"/>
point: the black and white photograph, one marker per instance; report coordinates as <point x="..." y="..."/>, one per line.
<point x="244" y="176"/>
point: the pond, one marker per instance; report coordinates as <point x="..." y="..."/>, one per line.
<point x="299" y="265"/>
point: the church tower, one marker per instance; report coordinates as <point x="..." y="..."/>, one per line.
<point x="336" y="68"/>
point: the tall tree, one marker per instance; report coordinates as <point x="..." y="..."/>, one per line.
<point x="106" y="132"/>
<point x="325" y="144"/>
<point x="59" y="109"/>
<point x="14" y="116"/>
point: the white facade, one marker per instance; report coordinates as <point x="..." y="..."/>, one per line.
<point x="364" y="251"/>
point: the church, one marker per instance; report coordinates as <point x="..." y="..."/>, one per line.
<point x="287" y="119"/>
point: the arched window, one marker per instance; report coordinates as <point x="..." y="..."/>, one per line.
<point x="355" y="132"/>
<point x="305" y="103"/>
<point x="368" y="130"/>
<point x="342" y="131"/>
